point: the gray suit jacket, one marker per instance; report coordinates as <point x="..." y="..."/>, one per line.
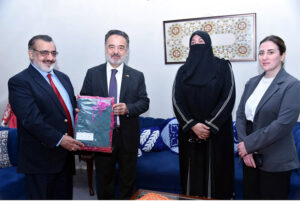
<point x="275" y="116"/>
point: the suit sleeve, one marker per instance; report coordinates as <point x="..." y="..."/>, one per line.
<point x="28" y="113"/>
<point x="287" y="118"/>
<point x="87" y="84"/>
<point x="223" y="110"/>
<point x="141" y="104"/>
<point x="182" y="113"/>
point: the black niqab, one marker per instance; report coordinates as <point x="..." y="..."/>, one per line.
<point x="201" y="65"/>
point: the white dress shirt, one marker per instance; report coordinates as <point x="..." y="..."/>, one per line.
<point x="256" y="96"/>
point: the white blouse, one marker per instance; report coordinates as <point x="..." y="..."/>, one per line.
<point x="256" y="96"/>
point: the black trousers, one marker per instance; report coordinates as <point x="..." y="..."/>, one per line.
<point x="106" y="170"/>
<point x="259" y="184"/>
<point x="51" y="186"/>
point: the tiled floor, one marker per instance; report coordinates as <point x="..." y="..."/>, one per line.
<point x="80" y="186"/>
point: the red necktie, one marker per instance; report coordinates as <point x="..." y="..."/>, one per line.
<point x="70" y="127"/>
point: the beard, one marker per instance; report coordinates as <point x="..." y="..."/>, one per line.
<point x="44" y="67"/>
<point x="115" y="62"/>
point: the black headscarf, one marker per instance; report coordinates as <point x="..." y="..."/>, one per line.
<point x="201" y="65"/>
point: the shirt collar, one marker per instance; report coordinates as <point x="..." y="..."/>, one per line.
<point x="44" y="74"/>
<point x="119" y="68"/>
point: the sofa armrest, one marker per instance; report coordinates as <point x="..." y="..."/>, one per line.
<point x="12" y="146"/>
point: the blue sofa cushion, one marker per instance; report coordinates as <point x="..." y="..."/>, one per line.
<point x="12" y="184"/>
<point x="296" y="132"/>
<point x="4" y="158"/>
<point x="150" y="139"/>
<point x="159" y="171"/>
<point x="169" y="134"/>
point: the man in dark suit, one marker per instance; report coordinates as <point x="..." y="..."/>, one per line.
<point x="131" y="101"/>
<point x="43" y="101"/>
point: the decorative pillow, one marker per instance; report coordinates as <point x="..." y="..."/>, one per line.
<point x="235" y="138"/>
<point x="4" y="159"/>
<point x="150" y="140"/>
<point x="140" y="153"/>
<point x="169" y="135"/>
<point x="147" y="122"/>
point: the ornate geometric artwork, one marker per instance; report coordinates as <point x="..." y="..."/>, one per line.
<point x="233" y="37"/>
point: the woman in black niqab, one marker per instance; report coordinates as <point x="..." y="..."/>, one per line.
<point x="203" y="99"/>
<point x="200" y="66"/>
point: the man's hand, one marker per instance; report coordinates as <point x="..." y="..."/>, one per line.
<point x="70" y="144"/>
<point x="120" y="109"/>
<point x="201" y="130"/>
<point x="76" y="110"/>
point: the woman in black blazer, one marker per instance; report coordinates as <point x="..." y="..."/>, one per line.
<point x="268" y="110"/>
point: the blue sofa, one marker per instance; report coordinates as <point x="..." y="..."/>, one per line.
<point x="156" y="170"/>
<point x="160" y="170"/>
<point x="12" y="184"/>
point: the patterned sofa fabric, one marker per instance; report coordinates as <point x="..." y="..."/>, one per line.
<point x="12" y="184"/>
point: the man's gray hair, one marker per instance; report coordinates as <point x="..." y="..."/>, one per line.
<point x="117" y="32"/>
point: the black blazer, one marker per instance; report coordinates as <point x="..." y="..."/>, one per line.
<point x="133" y="93"/>
<point x="41" y="121"/>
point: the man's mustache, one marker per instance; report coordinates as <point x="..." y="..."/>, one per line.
<point x="50" y="61"/>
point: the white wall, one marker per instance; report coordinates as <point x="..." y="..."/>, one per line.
<point x="78" y="28"/>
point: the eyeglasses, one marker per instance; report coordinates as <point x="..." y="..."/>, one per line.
<point x="45" y="53"/>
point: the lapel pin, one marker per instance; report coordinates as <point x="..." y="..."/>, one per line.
<point x="127" y="75"/>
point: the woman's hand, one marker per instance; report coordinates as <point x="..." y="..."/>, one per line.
<point x="201" y="130"/>
<point x="249" y="161"/>
<point x="242" y="149"/>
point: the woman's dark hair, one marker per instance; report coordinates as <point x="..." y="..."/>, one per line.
<point x="277" y="40"/>
<point x="38" y="37"/>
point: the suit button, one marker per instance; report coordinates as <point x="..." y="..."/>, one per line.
<point x="66" y="120"/>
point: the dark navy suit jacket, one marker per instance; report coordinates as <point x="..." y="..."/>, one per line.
<point x="41" y="121"/>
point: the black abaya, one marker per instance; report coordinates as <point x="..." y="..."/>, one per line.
<point x="207" y="168"/>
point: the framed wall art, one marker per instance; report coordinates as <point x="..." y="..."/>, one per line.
<point x="233" y="37"/>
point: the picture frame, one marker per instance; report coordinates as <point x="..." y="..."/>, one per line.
<point x="233" y="37"/>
